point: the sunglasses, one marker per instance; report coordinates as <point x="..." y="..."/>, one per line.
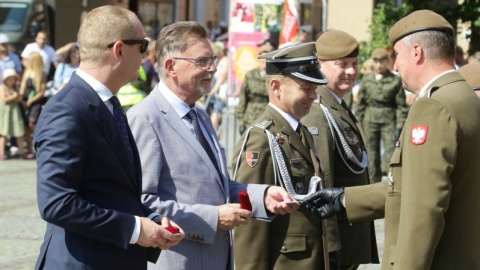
<point x="143" y="44"/>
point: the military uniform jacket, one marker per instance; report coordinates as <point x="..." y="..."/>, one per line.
<point x="382" y="101"/>
<point x="432" y="203"/>
<point x="358" y="244"/>
<point x="292" y="241"/>
<point x="253" y="98"/>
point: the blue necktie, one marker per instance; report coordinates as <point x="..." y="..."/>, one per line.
<point x="121" y="123"/>
<point x="201" y="138"/>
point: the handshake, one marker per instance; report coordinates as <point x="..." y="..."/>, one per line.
<point x="326" y="202"/>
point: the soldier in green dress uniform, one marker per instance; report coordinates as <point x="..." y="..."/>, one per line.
<point x="340" y="142"/>
<point x="431" y="201"/>
<point x="278" y="150"/>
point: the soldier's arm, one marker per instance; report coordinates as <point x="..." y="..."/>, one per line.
<point x="401" y="106"/>
<point x="242" y="103"/>
<point x="257" y="169"/>
<point x="362" y="103"/>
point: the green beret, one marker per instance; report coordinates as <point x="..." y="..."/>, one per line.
<point x="298" y="60"/>
<point x="420" y="20"/>
<point x="335" y="44"/>
<point x="379" y="54"/>
<point x="471" y="73"/>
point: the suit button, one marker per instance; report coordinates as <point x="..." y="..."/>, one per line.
<point x="284" y="248"/>
<point x="226" y="238"/>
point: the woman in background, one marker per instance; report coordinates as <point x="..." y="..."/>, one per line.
<point x="32" y="89"/>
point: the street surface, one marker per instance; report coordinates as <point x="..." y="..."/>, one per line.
<point x="22" y="229"/>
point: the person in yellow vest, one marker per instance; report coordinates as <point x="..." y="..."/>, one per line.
<point x="131" y="93"/>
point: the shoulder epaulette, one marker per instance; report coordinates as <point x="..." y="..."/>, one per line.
<point x="264" y="124"/>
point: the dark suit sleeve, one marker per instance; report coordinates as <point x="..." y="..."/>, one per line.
<point x="63" y="188"/>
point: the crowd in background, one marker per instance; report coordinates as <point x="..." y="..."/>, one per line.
<point x="41" y="71"/>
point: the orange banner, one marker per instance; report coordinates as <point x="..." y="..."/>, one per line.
<point x="290" y="22"/>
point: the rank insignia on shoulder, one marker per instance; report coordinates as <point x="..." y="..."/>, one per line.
<point x="252" y="158"/>
<point x="419" y="135"/>
<point x="313" y="130"/>
<point x="279" y="138"/>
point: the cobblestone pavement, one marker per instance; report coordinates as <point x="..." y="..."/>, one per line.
<point x="22" y="229"/>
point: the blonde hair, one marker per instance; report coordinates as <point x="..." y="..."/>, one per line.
<point x="34" y="70"/>
<point x="218" y="48"/>
<point x="102" y="26"/>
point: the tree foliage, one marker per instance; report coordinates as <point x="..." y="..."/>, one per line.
<point x="386" y="14"/>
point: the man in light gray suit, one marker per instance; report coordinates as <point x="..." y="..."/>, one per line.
<point x="184" y="168"/>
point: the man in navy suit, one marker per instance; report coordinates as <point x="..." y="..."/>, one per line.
<point x="89" y="173"/>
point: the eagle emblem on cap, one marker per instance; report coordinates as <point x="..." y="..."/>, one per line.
<point x="419" y="135"/>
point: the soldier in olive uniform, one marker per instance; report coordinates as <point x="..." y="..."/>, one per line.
<point x="431" y="201"/>
<point x="339" y="141"/>
<point x="381" y="110"/>
<point x="254" y="94"/>
<point x="292" y="241"/>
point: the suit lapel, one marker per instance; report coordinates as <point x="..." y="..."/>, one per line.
<point x="106" y="123"/>
<point x="177" y="124"/>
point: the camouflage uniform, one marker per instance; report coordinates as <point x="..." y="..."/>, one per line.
<point x="253" y="98"/>
<point x="381" y="110"/>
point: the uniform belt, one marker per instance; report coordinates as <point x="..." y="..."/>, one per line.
<point x="260" y="99"/>
<point x="376" y="104"/>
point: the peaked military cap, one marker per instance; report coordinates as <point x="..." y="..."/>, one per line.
<point x="471" y="73"/>
<point x="298" y="60"/>
<point x="336" y="44"/>
<point x="417" y="21"/>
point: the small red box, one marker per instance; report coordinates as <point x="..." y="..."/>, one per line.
<point x="244" y="200"/>
<point x="172" y="229"/>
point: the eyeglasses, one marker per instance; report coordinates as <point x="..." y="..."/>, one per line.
<point x="143" y="44"/>
<point x="203" y="62"/>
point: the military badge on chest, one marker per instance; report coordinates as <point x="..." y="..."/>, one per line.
<point x="419" y="135"/>
<point x="252" y="158"/>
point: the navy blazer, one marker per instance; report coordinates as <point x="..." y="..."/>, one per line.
<point x="87" y="190"/>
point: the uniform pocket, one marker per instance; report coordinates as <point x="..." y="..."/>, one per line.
<point x="294" y="243"/>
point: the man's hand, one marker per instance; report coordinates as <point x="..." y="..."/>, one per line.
<point x="155" y="235"/>
<point x="278" y="201"/>
<point x="326" y="203"/>
<point x="231" y="215"/>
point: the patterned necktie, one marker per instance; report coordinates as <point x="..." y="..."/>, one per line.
<point x="121" y="123"/>
<point x="301" y="134"/>
<point x="192" y="114"/>
<point x="344" y="105"/>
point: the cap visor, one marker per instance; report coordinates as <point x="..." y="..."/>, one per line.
<point x="314" y="76"/>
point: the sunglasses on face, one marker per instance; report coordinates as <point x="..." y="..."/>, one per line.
<point x="143" y="44"/>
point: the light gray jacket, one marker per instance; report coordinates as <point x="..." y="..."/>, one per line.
<point x="181" y="182"/>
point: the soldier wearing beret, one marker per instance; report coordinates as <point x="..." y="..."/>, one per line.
<point x="382" y="110"/>
<point x="471" y="73"/>
<point x="430" y="202"/>
<point x="253" y="96"/>
<point x="278" y="150"/>
<point x="340" y="142"/>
